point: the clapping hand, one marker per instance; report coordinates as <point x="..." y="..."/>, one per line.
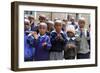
<point x="35" y="35"/>
<point x="71" y="46"/>
<point x="44" y="44"/>
<point x="59" y="37"/>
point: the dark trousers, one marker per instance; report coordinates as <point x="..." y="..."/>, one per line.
<point x="71" y="57"/>
<point x="83" y="56"/>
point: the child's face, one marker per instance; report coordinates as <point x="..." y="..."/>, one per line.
<point x="81" y="24"/>
<point x="70" y="34"/>
<point x="42" y="30"/>
<point x="65" y="21"/>
<point x="32" y="19"/>
<point x="26" y="26"/>
<point x="72" y="20"/>
<point x="42" y="19"/>
<point x="50" y="25"/>
<point x="58" y="27"/>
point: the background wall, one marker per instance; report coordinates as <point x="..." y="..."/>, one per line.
<point x="5" y="36"/>
<point x="60" y="15"/>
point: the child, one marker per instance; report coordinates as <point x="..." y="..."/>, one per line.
<point x="71" y="45"/>
<point x="74" y="23"/>
<point x="42" y="18"/>
<point x="50" y="27"/>
<point x="83" y="52"/>
<point x="29" y="49"/>
<point x="58" y="40"/>
<point x="32" y="24"/>
<point x="42" y="43"/>
<point x="65" y="23"/>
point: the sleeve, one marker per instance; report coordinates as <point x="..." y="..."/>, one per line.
<point x="77" y="43"/>
<point x="48" y="46"/>
<point x="64" y="40"/>
<point x="53" y="38"/>
<point x="30" y="40"/>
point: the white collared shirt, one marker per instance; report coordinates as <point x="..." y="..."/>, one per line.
<point x="56" y="32"/>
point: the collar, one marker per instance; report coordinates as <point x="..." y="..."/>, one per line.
<point x="56" y="32"/>
<point x="73" y="38"/>
<point x="83" y="29"/>
<point x="42" y="35"/>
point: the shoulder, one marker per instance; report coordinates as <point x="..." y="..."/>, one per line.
<point x="52" y="33"/>
<point x="47" y="36"/>
<point x="63" y="33"/>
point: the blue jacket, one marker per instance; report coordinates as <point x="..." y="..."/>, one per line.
<point x="29" y="49"/>
<point x="57" y="45"/>
<point x="34" y="27"/>
<point x="42" y="53"/>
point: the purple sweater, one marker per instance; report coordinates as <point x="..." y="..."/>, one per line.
<point x="42" y="53"/>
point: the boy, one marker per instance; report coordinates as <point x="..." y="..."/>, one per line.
<point x="50" y="27"/>
<point x="58" y="40"/>
<point x="83" y="52"/>
<point x="32" y="24"/>
<point x="74" y="23"/>
<point x="29" y="49"/>
<point x="42" y="43"/>
<point x="42" y="18"/>
<point x="65" y="23"/>
<point x="71" y="45"/>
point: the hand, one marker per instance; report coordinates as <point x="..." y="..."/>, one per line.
<point x="44" y="44"/>
<point x="58" y="36"/>
<point x="35" y="35"/>
<point x="61" y="38"/>
<point x="71" y="46"/>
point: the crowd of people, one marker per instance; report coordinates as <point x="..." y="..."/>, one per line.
<point x="58" y="39"/>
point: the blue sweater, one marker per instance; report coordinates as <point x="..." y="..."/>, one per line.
<point x="42" y="53"/>
<point x="57" y="45"/>
<point x="29" y="49"/>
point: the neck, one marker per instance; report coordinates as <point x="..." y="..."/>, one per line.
<point x="81" y="28"/>
<point x="57" y="31"/>
<point x="42" y="34"/>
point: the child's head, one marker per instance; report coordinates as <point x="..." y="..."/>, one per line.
<point x="26" y="24"/>
<point x="56" y="19"/>
<point x="42" y="18"/>
<point x="50" y="24"/>
<point x="81" y="22"/>
<point x="70" y="31"/>
<point x="58" y="25"/>
<point x="72" y="19"/>
<point x="65" y="20"/>
<point x="42" y="28"/>
<point x="31" y="18"/>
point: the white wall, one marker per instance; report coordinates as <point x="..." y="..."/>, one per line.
<point x="5" y="32"/>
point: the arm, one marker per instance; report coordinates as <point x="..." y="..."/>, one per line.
<point x="63" y="39"/>
<point x="47" y="44"/>
<point x="53" y="38"/>
<point x="30" y="40"/>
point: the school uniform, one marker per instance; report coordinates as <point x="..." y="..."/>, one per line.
<point x="48" y="32"/>
<point x="34" y="27"/>
<point x="41" y="52"/>
<point x="83" y="51"/>
<point x="56" y="51"/>
<point x="70" y="53"/>
<point x="75" y="25"/>
<point x="29" y="49"/>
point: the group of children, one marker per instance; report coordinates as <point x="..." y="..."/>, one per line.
<point x="55" y="40"/>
